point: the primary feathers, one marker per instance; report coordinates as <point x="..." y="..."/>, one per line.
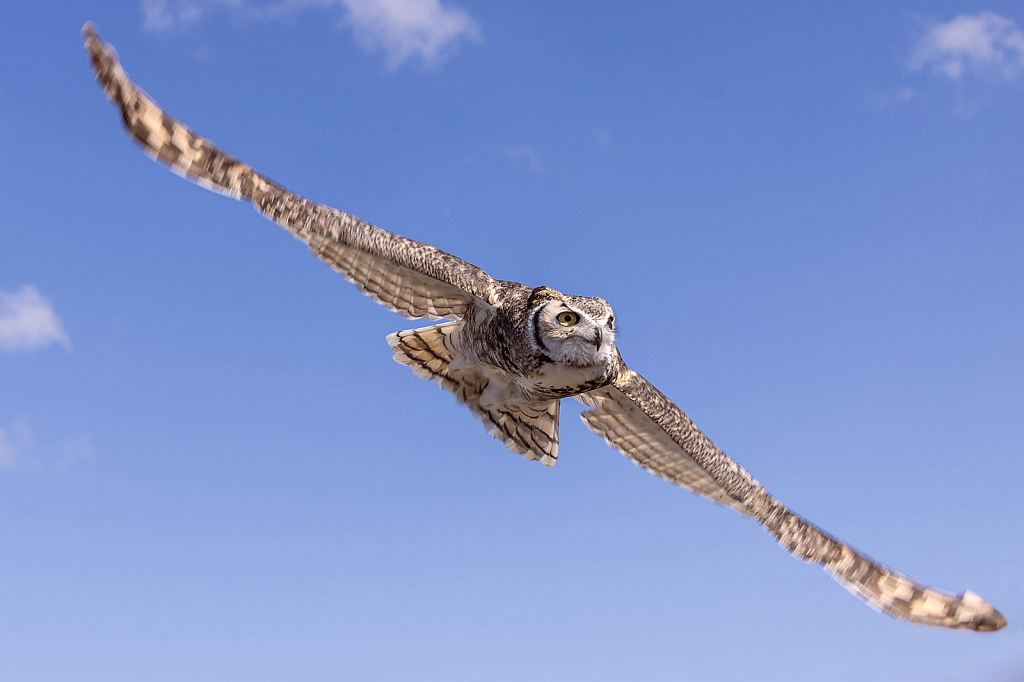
<point x="511" y="352"/>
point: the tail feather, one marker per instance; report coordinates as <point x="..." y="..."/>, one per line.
<point x="529" y="429"/>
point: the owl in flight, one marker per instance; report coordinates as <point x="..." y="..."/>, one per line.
<point x="510" y="353"/>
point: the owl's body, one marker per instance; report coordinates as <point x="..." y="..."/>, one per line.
<point x="510" y="353"/>
<point x="513" y="361"/>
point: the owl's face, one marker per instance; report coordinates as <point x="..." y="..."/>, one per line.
<point x="574" y="330"/>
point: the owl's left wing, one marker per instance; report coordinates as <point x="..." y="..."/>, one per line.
<point x="637" y="419"/>
<point x="408" y="277"/>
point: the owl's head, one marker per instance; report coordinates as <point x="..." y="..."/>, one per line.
<point x="575" y="330"/>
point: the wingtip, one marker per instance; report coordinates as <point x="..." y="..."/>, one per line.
<point x="95" y="46"/>
<point x="987" y="618"/>
<point x="91" y="36"/>
<point x="995" y="621"/>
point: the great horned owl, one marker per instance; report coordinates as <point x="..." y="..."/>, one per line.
<point x="511" y="352"/>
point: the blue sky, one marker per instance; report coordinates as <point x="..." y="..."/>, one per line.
<point x="808" y="218"/>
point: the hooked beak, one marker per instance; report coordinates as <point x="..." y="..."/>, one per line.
<point x="598" y="337"/>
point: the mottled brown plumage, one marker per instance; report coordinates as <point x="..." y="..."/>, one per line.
<point x="641" y="439"/>
<point x="512" y="352"/>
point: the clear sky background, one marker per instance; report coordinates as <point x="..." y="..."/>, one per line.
<point x="809" y="220"/>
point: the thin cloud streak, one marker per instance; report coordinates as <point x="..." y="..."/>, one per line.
<point x="14" y="443"/>
<point x="8" y="452"/>
<point x="527" y="156"/>
<point x="162" y="15"/>
<point x="402" y="29"/>
<point x="27" y="321"/>
<point x="18" y="451"/>
<point x="75" y="451"/>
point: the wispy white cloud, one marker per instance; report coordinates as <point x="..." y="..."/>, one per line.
<point x="27" y="321"/>
<point x="74" y="452"/>
<point x="883" y="99"/>
<point x="528" y="156"/>
<point x="407" y="28"/>
<point x="8" y="452"/>
<point x="163" y="15"/>
<point x="18" y="451"/>
<point x="985" y="45"/>
<point x="14" y="443"/>
<point x="402" y="29"/>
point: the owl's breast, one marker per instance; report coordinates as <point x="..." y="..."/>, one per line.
<point x="559" y="380"/>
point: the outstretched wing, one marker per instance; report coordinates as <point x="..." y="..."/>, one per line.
<point x="637" y="419"/>
<point x="408" y="277"/>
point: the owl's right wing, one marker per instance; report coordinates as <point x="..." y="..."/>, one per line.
<point x="637" y="419"/>
<point x="408" y="277"/>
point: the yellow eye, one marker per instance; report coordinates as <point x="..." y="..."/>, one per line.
<point x="568" y="318"/>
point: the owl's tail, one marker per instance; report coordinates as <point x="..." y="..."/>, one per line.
<point x="529" y="429"/>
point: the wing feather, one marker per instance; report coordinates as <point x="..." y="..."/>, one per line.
<point x="408" y="277"/>
<point x="637" y="419"/>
